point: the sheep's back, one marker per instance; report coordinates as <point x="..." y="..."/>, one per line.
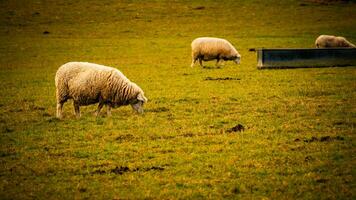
<point x="85" y="82"/>
<point x="207" y="46"/>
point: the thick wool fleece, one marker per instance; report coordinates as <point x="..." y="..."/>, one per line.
<point x="88" y="83"/>
<point x="208" y="48"/>
<point x="325" y="41"/>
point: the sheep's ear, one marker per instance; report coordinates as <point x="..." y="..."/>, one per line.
<point x="141" y="97"/>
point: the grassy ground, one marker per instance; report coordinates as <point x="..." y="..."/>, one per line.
<point x="299" y="138"/>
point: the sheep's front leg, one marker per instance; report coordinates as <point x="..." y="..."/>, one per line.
<point x="100" y="106"/>
<point x="108" y="111"/>
<point x="193" y="61"/>
<point x="217" y="62"/>
<point x="76" y="109"/>
<point x="201" y="62"/>
<point x="59" y="110"/>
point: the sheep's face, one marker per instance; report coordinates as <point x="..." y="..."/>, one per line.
<point x="237" y="59"/>
<point x="137" y="104"/>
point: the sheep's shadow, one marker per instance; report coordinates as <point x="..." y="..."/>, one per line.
<point x="212" y="67"/>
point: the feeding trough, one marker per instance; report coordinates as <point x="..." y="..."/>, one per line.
<point x="307" y="57"/>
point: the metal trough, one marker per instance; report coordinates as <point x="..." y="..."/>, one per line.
<point x="298" y="58"/>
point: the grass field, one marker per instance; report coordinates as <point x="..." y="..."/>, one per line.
<point x="299" y="137"/>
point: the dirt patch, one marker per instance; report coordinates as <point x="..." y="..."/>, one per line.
<point x="308" y="158"/>
<point x="199" y="8"/>
<point x="343" y="123"/>
<point x="210" y="67"/>
<point x="127" y="137"/>
<point x="154" y="168"/>
<point x="46" y="114"/>
<point x="34" y="107"/>
<point x="53" y="119"/>
<point x="187" y="100"/>
<point x="312" y="139"/>
<point x="99" y="171"/>
<point x="237" y="128"/>
<point x="322" y="180"/>
<point x="8" y="130"/>
<point x="325" y="139"/>
<point x="119" y="170"/>
<point x="100" y="165"/>
<point x="221" y="79"/>
<point x="158" y="110"/>
<point x="187" y="135"/>
<point x="321" y="139"/>
<point x="17" y="110"/>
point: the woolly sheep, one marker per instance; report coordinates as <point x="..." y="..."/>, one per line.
<point x="209" y="48"/>
<point x="325" y="41"/>
<point x="89" y="83"/>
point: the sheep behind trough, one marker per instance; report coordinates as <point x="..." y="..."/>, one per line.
<point x="329" y="41"/>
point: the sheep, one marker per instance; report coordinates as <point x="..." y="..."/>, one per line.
<point x="327" y="41"/>
<point x="209" y="48"/>
<point x="89" y="83"/>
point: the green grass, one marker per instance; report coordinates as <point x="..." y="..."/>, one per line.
<point x="299" y="138"/>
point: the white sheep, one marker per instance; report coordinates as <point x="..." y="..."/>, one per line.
<point x="327" y="41"/>
<point x="209" y="48"/>
<point x="89" y="83"/>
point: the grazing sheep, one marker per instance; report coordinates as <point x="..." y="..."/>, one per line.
<point x="208" y="48"/>
<point x="88" y="83"/>
<point x="327" y="41"/>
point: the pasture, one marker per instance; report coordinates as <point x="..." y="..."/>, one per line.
<point x="299" y="124"/>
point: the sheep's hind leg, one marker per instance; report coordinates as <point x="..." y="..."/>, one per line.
<point x="76" y="109"/>
<point x="59" y="110"/>
<point x="100" y="106"/>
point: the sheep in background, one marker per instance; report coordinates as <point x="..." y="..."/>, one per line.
<point x="327" y="41"/>
<point x="89" y="83"/>
<point x="209" y="48"/>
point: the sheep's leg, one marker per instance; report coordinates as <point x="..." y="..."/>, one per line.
<point x="201" y="62"/>
<point x="61" y="99"/>
<point x="217" y="62"/>
<point x="76" y="109"/>
<point x="108" y="111"/>
<point x="59" y="110"/>
<point x="100" y="106"/>
<point x="193" y="61"/>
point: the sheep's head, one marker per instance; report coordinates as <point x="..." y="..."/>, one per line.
<point x="237" y="58"/>
<point x="137" y="103"/>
